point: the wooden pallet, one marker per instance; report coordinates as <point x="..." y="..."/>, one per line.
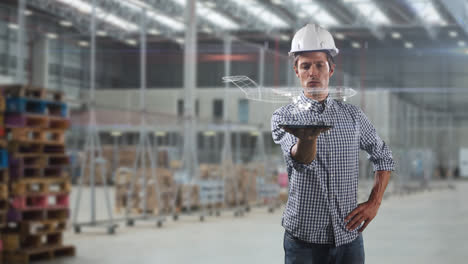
<point x="15" y="241"/>
<point x="36" y="135"/>
<point x="3" y="219"/>
<point x="26" y="120"/>
<point x="41" y="227"/>
<point x="19" y="148"/>
<point x="31" y="92"/>
<point x="34" y="202"/>
<point x="2" y="104"/>
<point x="4" y="176"/>
<point x="3" y="191"/>
<point x="18" y="173"/>
<point x="44" y="253"/>
<point x="4" y="206"/>
<point x="15" y="215"/>
<point x="41" y="186"/>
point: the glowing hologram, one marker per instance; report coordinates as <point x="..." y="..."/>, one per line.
<point x="283" y="95"/>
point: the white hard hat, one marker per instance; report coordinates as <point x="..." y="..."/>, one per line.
<point x="313" y="38"/>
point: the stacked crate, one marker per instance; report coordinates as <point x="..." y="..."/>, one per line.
<point x="166" y="185"/>
<point x="3" y="176"/>
<point x="35" y="123"/>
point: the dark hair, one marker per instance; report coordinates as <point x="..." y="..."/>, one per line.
<point x="330" y="59"/>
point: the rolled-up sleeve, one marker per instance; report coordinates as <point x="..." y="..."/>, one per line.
<point x="286" y="141"/>
<point x="378" y="152"/>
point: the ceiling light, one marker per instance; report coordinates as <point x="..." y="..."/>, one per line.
<point x="160" y="133"/>
<point x="65" y="23"/>
<point x="316" y="12"/>
<point x="179" y="40"/>
<point x="254" y="133"/>
<point x="12" y="26"/>
<point x="261" y="12"/>
<point x="213" y="16"/>
<point x="154" y="32"/>
<point x="340" y="36"/>
<point x="355" y="45"/>
<point x="28" y="12"/>
<point x="209" y="133"/>
<point x="116" y="133"/>
<point x="87" y="8"/>
<point x="131" y="42"/>
<point x="207" y="30"/>
<point x="168" y="21"/>
<point x="52" y="35"/>
<point x="409" y="45"/>
<point x="210" y="4"/>
<point x="302" y="15"/>
<point x="83" y="43"/>
<point x="461" y="43"/>
<point x="453" y="34"/>
<point x="285" y="37"/>
<point x="396" y="35"/>
<point x="101" y="33"/>
<point x="370" y="10"/>
<point x="427" y="12"/>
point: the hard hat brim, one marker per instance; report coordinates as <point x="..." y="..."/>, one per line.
<point x="332" y="52"/>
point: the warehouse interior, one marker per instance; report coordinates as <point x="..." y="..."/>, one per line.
<point x="150" y="157"/>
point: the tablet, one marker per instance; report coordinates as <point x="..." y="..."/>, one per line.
<point x="295" y="126"/>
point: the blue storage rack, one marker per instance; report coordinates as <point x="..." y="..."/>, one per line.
<point x="3" y="159"/>
<point x="35" y="106"/>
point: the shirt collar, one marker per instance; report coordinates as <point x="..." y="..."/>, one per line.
<point x="314" y="104"/>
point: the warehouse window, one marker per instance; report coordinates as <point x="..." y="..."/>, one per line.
<point x="218" y="109"/>
<point x="243" y="111"/>
<point x="180" y="107"/>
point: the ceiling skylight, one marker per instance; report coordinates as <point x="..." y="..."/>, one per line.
<point x="87" y="8"/>
<point x="205" y="11"/>
<point x="136" y="6"/>
<point x="317" y="13"/>
<point x="261" y="12"/>
<point x="426" y="10"/>
<point x="370" y="10"/>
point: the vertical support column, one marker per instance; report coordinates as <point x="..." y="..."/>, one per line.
<point x="261" y="66"/>
<point x="227" y="148"/>
<point x="92" y="126"/>
<point x="20" y="44"/>
<point x="190" y="82"/>
<point x="40" y="61"/>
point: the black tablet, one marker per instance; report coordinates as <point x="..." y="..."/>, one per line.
<point x="295" y="126"/>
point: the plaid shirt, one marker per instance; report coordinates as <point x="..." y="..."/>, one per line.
<point x="324" y="192"/>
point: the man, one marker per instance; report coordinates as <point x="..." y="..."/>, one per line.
<point x="322" y="220"/>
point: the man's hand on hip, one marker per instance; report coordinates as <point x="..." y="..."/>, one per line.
<point x="365" y="212"/>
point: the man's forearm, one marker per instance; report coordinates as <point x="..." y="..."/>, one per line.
<point x="304" y="151"/>
<point x="380" y="184"/>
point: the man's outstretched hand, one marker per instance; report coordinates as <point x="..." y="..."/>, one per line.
<point x="307" y="134"/>
<point x="365" y="212"/>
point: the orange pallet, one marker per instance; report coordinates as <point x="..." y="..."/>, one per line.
<point x="4" y="176"/>
<point x="41" y="186"/>
<point x="45" y="253"/>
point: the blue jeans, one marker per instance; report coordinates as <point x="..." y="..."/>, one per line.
<point x="300" y="252"/>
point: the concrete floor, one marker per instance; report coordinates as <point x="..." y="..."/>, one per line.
<point x="427" y="227"/>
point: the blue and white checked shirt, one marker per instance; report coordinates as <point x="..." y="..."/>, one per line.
<point x="324" y="192"/>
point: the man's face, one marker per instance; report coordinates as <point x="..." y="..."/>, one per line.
<point x="314" y="72"/>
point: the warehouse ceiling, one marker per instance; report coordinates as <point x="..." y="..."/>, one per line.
<point x="406" y="23"/>
<point x="381" y="24"/>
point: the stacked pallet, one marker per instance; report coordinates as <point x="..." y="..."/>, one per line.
<point x="3" y="176"/>
<point x="35" y="124"/>
<point x="166" y="185"/>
